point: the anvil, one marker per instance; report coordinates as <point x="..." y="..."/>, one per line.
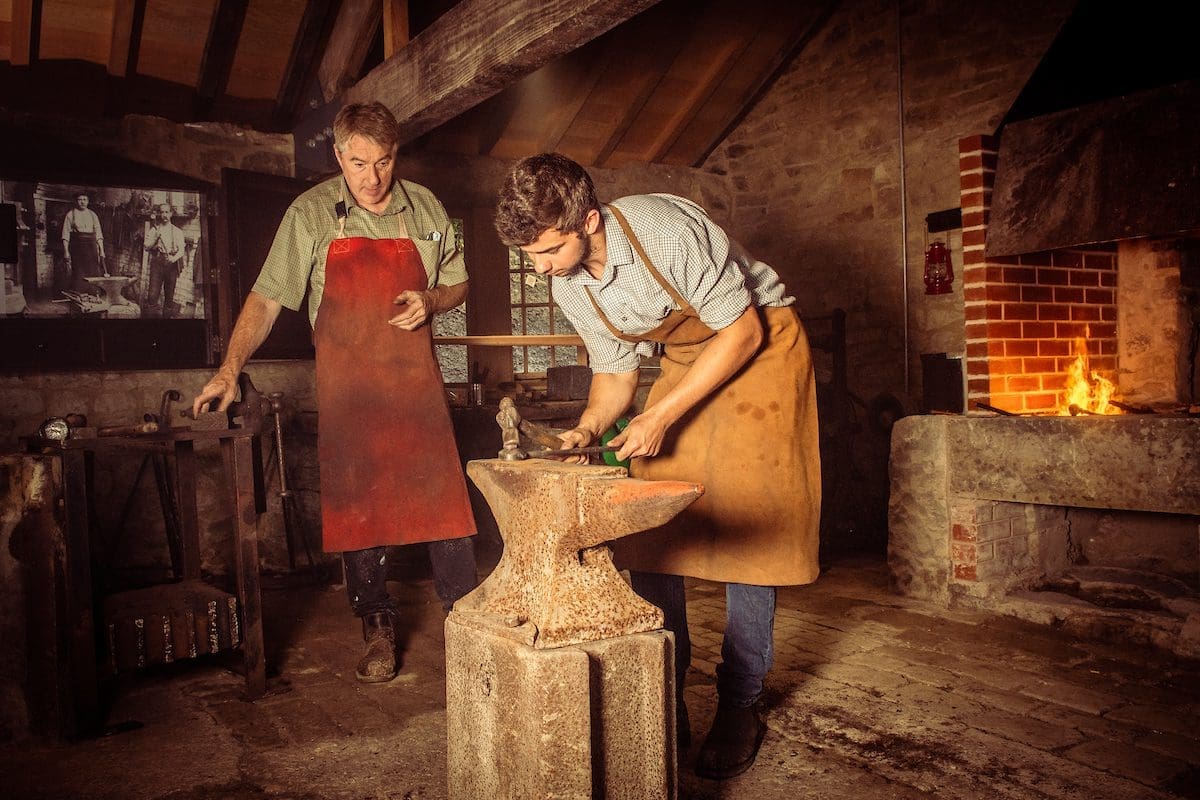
<point x="556" y="580"/>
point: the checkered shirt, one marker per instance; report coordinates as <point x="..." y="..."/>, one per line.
<point x="297" y="257"/>
<point x="711" y="271"/>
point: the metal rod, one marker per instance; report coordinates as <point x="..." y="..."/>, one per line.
<point x="571" y="451"/>
<point x="995" y="410"/>
<point x="1131" y="409"/>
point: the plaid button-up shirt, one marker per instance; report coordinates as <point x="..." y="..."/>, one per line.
<point x="712" y="272"/>
<point x="297" y="257"/>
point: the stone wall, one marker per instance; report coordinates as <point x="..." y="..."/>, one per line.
<point x="976" y="502"/>
<point x="1151" y="321"/>
<point x="816" y="166"/>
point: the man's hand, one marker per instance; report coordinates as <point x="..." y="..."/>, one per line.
<point x="643" y="436"/>
<point x="222" y="387"/>
<point x="415" y="308"/>
<point x="576" y="437"/>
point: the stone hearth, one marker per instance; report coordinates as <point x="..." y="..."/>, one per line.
<point x="977" y="513"/>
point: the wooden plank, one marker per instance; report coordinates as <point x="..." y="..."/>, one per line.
<point x="349" y="43"/>
<point x="395" y="26"/>
<point x="239" y="460"/>
<point x="126" y="32"/>
<point x="712" y="132"/>
<point x="220" y="48"/>
<point x="543" y="105"/>
<point x="649" y="49"/>
<point x="315" y="27"/>
<point x="83" y="714"/>
<point x="718" y="36"/>
<point x="189" y="517"/>
<point x="479" y="47"/>
<point x="26" y="31"/>
<point x="724" y="57"/>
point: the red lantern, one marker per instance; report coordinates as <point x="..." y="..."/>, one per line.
<point x="939" y="273"/>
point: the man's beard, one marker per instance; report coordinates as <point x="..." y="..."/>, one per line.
<point x="587" y="250"/>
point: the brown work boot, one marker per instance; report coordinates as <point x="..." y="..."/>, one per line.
<point x="732" y="743"/>
<point x="378" y="663"/>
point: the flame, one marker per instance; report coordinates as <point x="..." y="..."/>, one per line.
<point x="1086" y="390"/>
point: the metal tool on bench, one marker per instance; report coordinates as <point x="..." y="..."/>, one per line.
<point x="247" y="413"/>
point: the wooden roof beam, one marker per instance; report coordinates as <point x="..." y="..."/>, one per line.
<point x="349" y="43"/>
<point x="395" y="26"/>
<point x="783" y="56"/>
<point x="315" y="27"/>
<point x="224" y="31"/>
<point x="478" y="48"/>
<point x="26" y="32"/>
<point x="125" y="42"/>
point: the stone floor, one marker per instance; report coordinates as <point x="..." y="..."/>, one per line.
<point x="872" y="696"/>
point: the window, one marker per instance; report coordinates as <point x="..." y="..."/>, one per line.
<point x="452" y="358"/>
<point x="531" y="297"/>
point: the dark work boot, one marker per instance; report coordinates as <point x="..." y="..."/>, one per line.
<point x="732" y="744"/>
<point x="378" y="663"/>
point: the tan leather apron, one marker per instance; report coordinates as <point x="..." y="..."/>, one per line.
<point x="390" y="472"/>
<point x="752" y="443"/>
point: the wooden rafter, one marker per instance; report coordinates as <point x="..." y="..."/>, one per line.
<point x="801" y="36"/>
<point x="349" y="43"/>
<point x="26" y="31"/>
<point x="723" y="58"/>
<point x="395" y="26"/>
<point x="128" y="16"/>
<point x="479" y="47"/>
<point x="659" y="58"/>
<point x="561" y="120"/>
<point x="220" y="48"/>
<point x="315" y="26"/>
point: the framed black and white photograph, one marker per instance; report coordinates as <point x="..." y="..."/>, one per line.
<point x="103" y="252"/>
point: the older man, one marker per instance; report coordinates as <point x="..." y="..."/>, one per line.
<point x="379" y="258"/>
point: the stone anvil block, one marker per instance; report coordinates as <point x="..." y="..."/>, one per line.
<point x="559" y="679"/>
<point x="594" y="720"/>
<point x="555" y="573"/>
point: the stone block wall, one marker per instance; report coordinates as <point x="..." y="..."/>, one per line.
<point x="832" y="191"/>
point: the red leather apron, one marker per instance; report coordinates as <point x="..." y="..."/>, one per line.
<point x="390" y="472"/>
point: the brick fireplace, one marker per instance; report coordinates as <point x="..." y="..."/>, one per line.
<point x="1027" y="314"/>
<point x="1024" y="313"/>
<point x="1001" y="511"/>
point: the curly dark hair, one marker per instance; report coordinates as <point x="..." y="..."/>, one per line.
<point x="544" y="192"/>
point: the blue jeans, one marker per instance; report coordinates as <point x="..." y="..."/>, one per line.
<point x="453" y="562"/>
<point x="748" y="648"/>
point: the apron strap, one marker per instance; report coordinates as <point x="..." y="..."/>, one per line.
<point x="673" y="320"/>
<point x="684" y="306"/>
